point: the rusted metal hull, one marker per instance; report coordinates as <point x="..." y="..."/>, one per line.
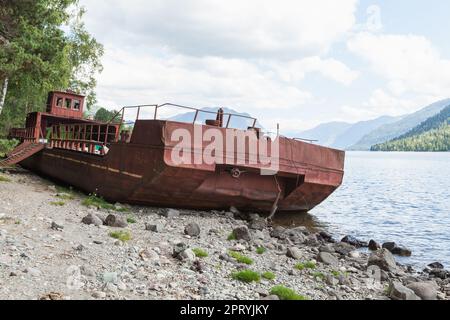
<point x="142" y="171"/>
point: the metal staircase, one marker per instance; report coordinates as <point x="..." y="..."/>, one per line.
<point x="22" y="152"/>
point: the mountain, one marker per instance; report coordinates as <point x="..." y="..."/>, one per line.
<point x="341" y="135"/>
<point x="391" y="131"/>
<point x="210" y="113"/>
<point x="431" y="135"/>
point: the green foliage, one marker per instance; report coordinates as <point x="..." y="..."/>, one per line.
<point x="123" y="236"/>
<point x="240" y="257"/>
<point x="131" y="220"/>
<point x="431" y="135"/>
<point x="104" y="115"/>
<point x="319" y="275"/>
<point x="268" y="275"/>
<point x="58" y="203"/>
<point x="286" y="294"/>
<point x="65" y="196"/>
<point x="6" y="146"/>
<point x="261" y="250"/>
<point x="99" y="203"/>
<point x="305" y="265"/>
<point x="247" y="276"/>
<point x="200" y="253"/>
<point x="4" y="179"/>
<point x="231" y="237"/>
<point x="44" y="46"/>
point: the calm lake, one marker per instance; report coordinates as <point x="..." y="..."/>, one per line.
<point x="401" y="197"/>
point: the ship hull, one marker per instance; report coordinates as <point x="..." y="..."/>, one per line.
<point x="143" y="172"/>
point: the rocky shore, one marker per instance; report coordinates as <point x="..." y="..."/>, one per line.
<point x="60" y="244"/>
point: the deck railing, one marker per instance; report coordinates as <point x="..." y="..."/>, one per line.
<point x="156" y="108"/>
<point x="85" y="137"/>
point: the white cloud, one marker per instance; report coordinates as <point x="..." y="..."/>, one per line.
<point x="409" y="63"/>
<point x="233" y="28"/>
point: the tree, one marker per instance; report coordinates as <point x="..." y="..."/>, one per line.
<point x="43" y="46"/>
<point x="104" y="115"/>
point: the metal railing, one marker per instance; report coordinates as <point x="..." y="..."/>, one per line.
<point x="85" y="137"/>
<point x="197" y="112"/>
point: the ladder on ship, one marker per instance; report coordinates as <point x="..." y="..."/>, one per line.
<point x="22" y="152"/>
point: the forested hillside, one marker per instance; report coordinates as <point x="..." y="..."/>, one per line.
<point x="431" y="135"/>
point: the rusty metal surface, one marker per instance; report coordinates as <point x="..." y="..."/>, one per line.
<point x="143" y="172"/>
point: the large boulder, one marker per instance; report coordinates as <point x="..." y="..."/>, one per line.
<point x="383" y="259"/>
<point x="354" y="242"/>
<point x="328" y="258"/>
<point x="374" y="246"/>
<point x="343" y="248"/>
<point x="396" y="249"/>
<point x="425" y="290"/>
<point x="92" y="219"/>
<point x="397" y="291"/>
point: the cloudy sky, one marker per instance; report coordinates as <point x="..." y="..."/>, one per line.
<point x="294" y="62"/>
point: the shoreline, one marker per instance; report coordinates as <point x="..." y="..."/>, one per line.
<point x="47" y="252"/>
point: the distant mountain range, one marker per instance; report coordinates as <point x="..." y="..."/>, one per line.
<point x="365" y="134"/>
<point x="431" y="135"/>
<point x="210" y="113"/>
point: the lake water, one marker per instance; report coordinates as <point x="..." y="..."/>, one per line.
<point x="401" y="197"/>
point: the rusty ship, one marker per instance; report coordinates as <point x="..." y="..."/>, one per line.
<point x="136" y="164"/>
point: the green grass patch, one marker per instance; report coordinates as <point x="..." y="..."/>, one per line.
<point x="65" y="196"/>
<point x="99" y="203"/>
<point x="200" y="253"/>
<point x="319" y="275"/>
<point x="58" y="203"/>
<point x="240" y="257"/>
<point x="305" y="265"/>
<point x="123" y="236"/>
<point x="286" y="294"/>
<point x="4" y="179"/>
<point x="268" y="275"/>
<point x="261" y="250"/>
<point x="231" y="237"/>
<point x="131" y="220"/>
<point x="247" y="276"/>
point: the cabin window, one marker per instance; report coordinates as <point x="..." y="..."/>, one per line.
<point x="68" y="103"/>
<point x="76" y="104"/>
<point x="59" y="102"/>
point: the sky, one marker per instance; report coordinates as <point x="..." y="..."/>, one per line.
<point x="298" y="63"/>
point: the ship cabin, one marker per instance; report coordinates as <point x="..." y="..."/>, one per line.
<point x="63" y="125"/>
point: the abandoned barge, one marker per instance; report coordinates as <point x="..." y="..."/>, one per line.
<point x="141" y="165"/>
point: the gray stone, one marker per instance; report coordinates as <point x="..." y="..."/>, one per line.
<point x="192" y="229"/>
<point x="383" y="259"/>
<point x="187" y="254"/>
<point x="327" y="248"/>
<point x="425" y="290"/>
<point x="343" y="248"/>
<point x="279" y="233"/>
<point x="331" y="280"/>
<point x="33" y="272"/>
<point x="157" y="228"/>
<point x="242" y="233"/>
<point x="171" y="213"/>
<point x="374" y="246"/>
<point x="99" y="295"/>
<point x="258" y="224"/>
<point x="178" y="248"/>
<point x="294" y="253"/>
<point x="87" y="271"/>
<point x="397" y="291"/>
<point x="115" y="221"/>
<point x="92" y="219"/>
<point x="354" y="242"/>
<point x="374" y="272"/>
<point x="328" y="258"/>
<point x="396" y="249"/>
<point x="57" y="226"/>
<point x="436" y="265"/>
